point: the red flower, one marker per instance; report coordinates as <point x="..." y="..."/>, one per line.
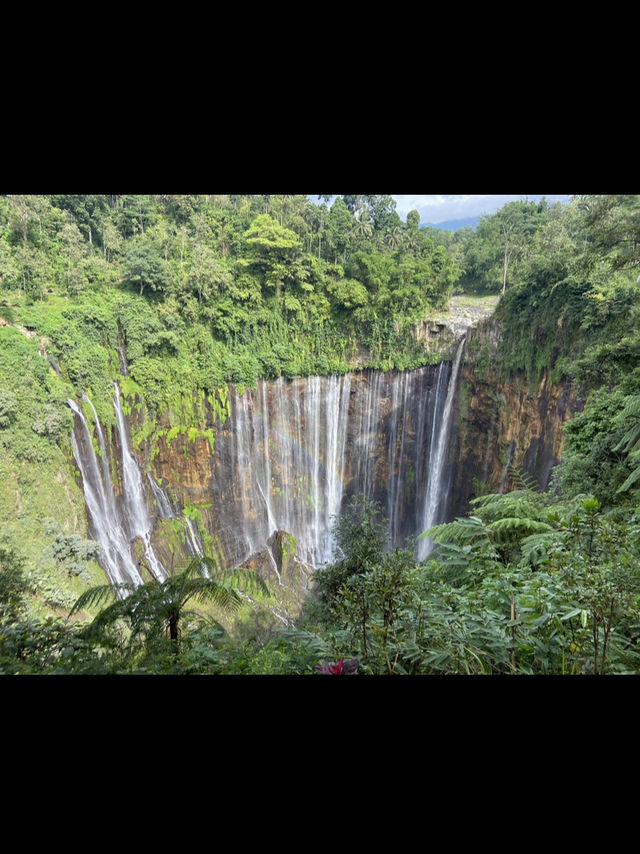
<point x="342" y="668"/>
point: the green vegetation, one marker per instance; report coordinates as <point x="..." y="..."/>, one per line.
<point x="185" y="294"/>
<point x="197" y="291"/>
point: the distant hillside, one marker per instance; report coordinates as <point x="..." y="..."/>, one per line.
<point x="452" y="224"/>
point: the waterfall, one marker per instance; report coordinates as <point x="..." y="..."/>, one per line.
<point x="285" y="454"/>
<point x="165" y="510"/>
<point x="113" y="529"/>
<point x="104" y="516"/>
<point x="135" y="495"/>
<point x="290" y="456"/>
<point x="435" y="485"/>
<point x="294" y="451"/>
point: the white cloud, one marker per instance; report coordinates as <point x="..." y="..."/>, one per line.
<point x="438" y="208"/>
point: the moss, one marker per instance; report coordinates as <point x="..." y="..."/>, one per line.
<point x="464" y="399"/>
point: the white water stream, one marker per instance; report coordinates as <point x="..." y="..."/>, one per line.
<point x="290" y="456"/>
<point x="118" y="523"/>
<point x="435" y="487"/>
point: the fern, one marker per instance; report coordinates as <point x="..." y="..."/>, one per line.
<point x="630" y="442"/>
<point x="462" y="530"/>
<point x="517" y="525"/>
<point x="162" y="604"/>
<point x="523" y="480"/>
<point x="535" y="547"/>
<point x="518" y="503"/>
<point x="97" y="596"/>
<point x="633" y="477"/>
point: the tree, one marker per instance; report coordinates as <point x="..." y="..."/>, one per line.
<point x="142" y="265"/>
<point x="363" y="226"/>
<point x="208" y="274"/>
<point x="136" y="213"/>
<point x="267" y="235"/>
<point x="394" y="237"/>
<point x="87" y="212"/>
<point x="159" y="608"/>
<point x="383" y="212"/>
<point x="501" y="241"/>
<point x="413" y="220"/>
<point x="274" y="248"/>
<point x="613" y="229"/>
<point x="30" y="217"/>
<point x="360" y="538"/>
<point x="630" y="442"/>
<point x="319" y="218"/>
<point x="339" y="228"/>
<point x="73" y="248"/>
<point x="516" y="223"/>
<point x="111" y="239"/>
<point x="35" y="270"/>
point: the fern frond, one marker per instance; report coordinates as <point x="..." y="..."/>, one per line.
<point x="98" y="595"/>
<point x="223" y="597"/>
<point x="630" y="440"/>
<point x="517" y="525"/>
<point x="461" y="530"/>
<point x="630" y="410"/>
<point x="633" y="477"/>
<point x="520" y="477"/>
<point x="534" y="547"/>
<point x="247" y="580"/>
<point x="518" y="504"/>
<point x="632" y="407"/>
<point x="506" y="498"/>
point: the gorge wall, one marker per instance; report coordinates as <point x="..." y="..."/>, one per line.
<point x="292" y="453"/>
<point x="262" y="483"/>
<point x="504" y="423"/>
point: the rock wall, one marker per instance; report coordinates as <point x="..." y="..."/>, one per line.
<point x="504" y="424"/>
<point x="292" y="453"/>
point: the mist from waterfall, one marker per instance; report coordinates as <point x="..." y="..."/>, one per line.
<point x="294" y="452"/>
<point x="291" y="455"/>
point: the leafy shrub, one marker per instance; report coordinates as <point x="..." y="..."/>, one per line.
<point x="8" y="408"/>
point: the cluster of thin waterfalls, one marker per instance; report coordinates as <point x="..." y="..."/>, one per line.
<point x="288" y="459"/>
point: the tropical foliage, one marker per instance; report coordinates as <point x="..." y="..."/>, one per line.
<point x="216" y="288"/>
<point x="189" y="292"/>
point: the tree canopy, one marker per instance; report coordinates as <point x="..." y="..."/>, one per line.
<point x="185" y="293"/>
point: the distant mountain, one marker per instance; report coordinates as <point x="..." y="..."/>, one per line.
<point x="452" y="224"/>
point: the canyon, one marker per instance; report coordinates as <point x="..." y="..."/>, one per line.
<point x="288" y="455"/>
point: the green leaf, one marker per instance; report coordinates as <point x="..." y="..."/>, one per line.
<point x="571" y="614"/>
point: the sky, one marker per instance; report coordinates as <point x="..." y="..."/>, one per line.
<point x="440" y="208"/>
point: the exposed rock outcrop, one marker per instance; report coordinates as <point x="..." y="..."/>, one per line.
<point x="290" y="579"/>
<point x="504" y="423"/>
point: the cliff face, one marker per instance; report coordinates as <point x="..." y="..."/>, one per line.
<point x="504" y="422"/>
<point x="292" y="453"/>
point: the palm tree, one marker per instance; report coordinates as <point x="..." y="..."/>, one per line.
<point x="363" y="226"/>
<point x="412" y="241"/>
<point x="394" y="237"/>
<point x="159" y="607"/>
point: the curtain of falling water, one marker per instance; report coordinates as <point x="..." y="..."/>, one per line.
<point x="290" y="456"/>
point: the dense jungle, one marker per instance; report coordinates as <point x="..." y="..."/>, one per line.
<point x="351" y="444"/>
